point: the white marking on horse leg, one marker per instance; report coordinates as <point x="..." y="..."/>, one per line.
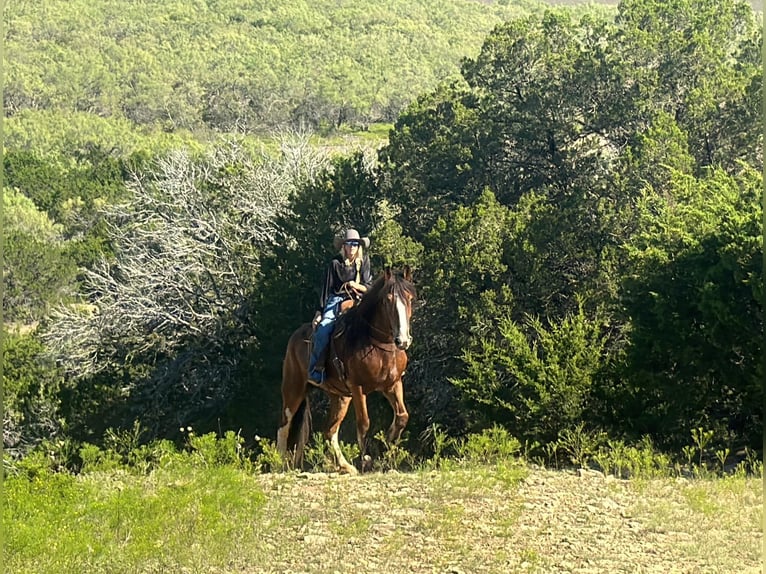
<point x="340" y="460"/>
<point x="283" y="431"/>
<point x="404" y="325"/>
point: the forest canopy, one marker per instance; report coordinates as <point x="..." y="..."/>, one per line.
<point x="234" y="66"/>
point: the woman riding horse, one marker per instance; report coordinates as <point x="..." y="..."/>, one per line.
<point x="347" y="277"/>
<point x="371" y="353"/>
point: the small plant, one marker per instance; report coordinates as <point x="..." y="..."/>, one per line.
<point x="315" y="454"/>
<point x="619" y="460"/>
<point x="350" y="451"/>
<point x="701" y="438"/>
<point x="123" y="442"/>
<point x="689" y="452"/>
<point x="643" y="460"/>
<point x="495" y="444"/>
<point x="580" y="445"/>
<point x="604" y="461"/>
<point x="754" y="463"/>
<point x="394" y="456"/>
<point x="750" y="465"/>
<point x="552" y="453"/>
<point x="440" y="443"/>
<point x="37" y="463"/>
<point x="269" y="459"/>
<point x="722" y="455"/>
<point x="210" y="450"/>
<point x="318" y="457"/>
<point x="95" y="459"/>
<point x="529" y="448"/>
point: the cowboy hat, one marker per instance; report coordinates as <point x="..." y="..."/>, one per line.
<point x="352" y="235"/>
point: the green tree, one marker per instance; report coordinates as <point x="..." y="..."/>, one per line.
<point x="694" y="298"/>
<point x="536" y="379"/>
<point x="427" y="166"/>
<point x="576" y="125"/>
<point x="37" y="271"/>
<point x="695" y="60"/>
<point x="170" y="318"/>
<point x="31" y="393"/>
<point x="225" y="65"/>
<point x="463" y="284"/>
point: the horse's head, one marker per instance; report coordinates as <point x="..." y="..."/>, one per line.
<point x="398" y="294"/>
<point x="384" y="312"/>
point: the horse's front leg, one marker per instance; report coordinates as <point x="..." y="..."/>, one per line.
<point x="338" y="410"/>
<point x="362" y="425"/>
<point x="395" y="398"/>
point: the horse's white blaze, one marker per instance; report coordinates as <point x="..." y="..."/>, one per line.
<point x="404" y="326"/>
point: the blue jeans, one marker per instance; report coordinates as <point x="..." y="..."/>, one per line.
<point x="322" y="335"/>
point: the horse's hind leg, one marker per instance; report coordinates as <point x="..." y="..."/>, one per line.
<point x="338" y="409"/>
<point x="293" y="433"/>
<point x="293" y="399"/>
<point x="396" y="398"/>
<point x="284" y="430"/>
<point x="283" y="435"/>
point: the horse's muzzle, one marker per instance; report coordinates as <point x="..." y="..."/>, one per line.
<point x="402" y="343"/>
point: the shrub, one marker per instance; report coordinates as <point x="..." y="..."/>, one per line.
<point x="536" y="379"/>
<point x="492" y="445"/>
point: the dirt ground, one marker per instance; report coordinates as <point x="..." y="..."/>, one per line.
<point x="461" y="522"/>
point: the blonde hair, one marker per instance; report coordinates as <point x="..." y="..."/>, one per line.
<point x="359" y="254"/>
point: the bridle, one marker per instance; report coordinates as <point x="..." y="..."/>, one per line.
<point x="386" y="339"/>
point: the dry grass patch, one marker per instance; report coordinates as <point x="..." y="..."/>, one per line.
<point x="480" y="520"/>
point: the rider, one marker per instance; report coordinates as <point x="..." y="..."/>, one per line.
<point x="347" y="277"/>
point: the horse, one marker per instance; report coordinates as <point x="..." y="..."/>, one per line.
<point x="367" y="353"/>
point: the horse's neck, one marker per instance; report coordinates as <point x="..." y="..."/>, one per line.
<point x="380" y="327"/>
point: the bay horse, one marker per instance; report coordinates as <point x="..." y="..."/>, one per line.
<point x="367" y="353"/>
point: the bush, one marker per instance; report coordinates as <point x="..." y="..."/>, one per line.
<point x="536" y="380"/>
<point x="210" y="450"/>
<point x="30" y="394"/>
<point x="37" y="272"/>
<point x="492" y="445"/>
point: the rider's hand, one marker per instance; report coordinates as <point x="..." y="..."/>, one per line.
<point x="353" y="285"/>
<point x="317" y="318"/>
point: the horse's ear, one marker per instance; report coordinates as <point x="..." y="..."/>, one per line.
<point x="388" y="273"/>
<point x="407" y="274"/>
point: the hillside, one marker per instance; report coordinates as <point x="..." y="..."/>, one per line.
<point x="233" y="66"/>
<point x="582" y="210"/>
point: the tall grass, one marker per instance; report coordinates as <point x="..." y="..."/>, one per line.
<point x="181" y="516"/>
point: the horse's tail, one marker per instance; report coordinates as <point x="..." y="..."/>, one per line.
<point x="299" y="432"/>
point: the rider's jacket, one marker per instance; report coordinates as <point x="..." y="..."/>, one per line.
<point x="339" y="272"/>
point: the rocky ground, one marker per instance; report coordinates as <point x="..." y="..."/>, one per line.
<point x="495" y="521"/>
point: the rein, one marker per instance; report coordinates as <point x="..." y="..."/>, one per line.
<point x="390" y="346"/>
<point x="352" y="295"/>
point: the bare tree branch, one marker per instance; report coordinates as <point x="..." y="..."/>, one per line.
<point x="175" y="298"/>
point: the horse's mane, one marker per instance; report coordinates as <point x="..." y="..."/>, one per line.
<point x="360" y="318"/>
